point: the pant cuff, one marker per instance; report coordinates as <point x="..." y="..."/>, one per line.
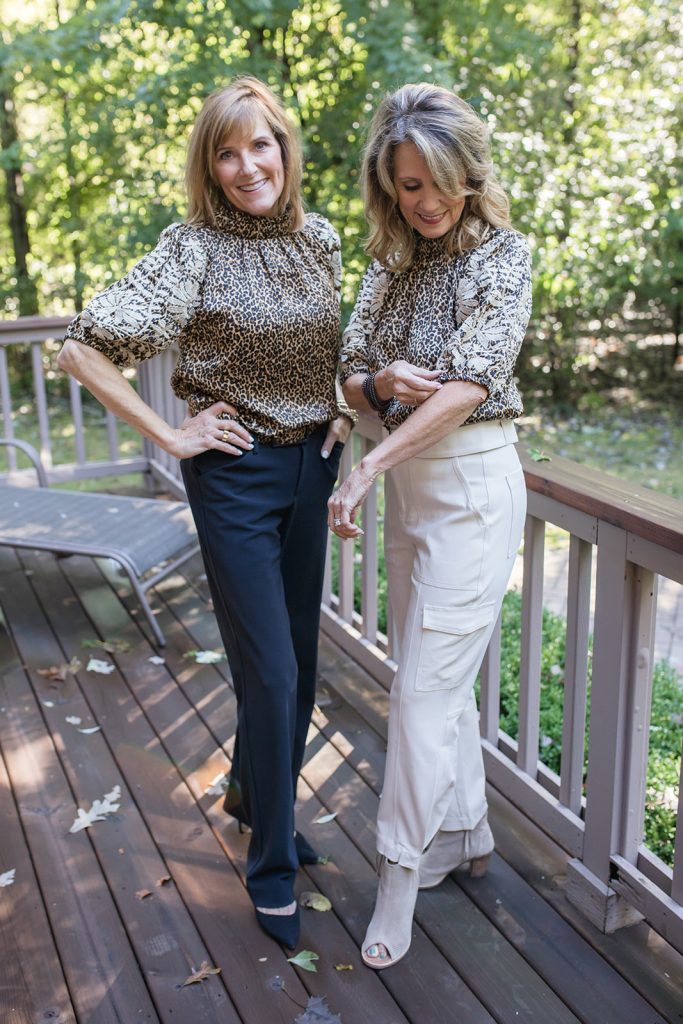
<point x="397" y="852"/>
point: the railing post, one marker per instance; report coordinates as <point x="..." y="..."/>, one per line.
<point x="576" y="673"/>
<point x="530" y="654"/>
<point x="617" y="755"/>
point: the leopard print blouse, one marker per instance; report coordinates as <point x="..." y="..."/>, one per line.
<point x="463" y="314"/>
<point x="254" y="308"/>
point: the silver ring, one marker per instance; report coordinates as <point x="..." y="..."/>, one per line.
<point x="337" y="522"/>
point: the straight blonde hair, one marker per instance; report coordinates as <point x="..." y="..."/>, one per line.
<point x="237" y="108"/>
<point x="454" y="143"/>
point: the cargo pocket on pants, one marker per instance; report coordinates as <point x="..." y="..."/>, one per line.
<point x="451" y="648"/>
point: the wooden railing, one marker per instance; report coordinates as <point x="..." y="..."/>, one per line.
<point x="635" y="536"/>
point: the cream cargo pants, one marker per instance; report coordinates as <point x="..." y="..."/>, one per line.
<point x="454" y="520"/>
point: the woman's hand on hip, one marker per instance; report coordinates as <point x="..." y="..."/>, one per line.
<point x="211" y="429"/>
<point x="345" y="503"/>
<point x="338" y="430"/>
<point x="409" y="384"/>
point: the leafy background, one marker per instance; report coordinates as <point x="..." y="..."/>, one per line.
<point x="581" y="97"/>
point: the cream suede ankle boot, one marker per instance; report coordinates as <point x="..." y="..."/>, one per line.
<point x="389" y="933"/>
<point x="448" y="850"/>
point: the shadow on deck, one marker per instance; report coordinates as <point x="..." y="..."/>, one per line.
<point x="80" y="942"/>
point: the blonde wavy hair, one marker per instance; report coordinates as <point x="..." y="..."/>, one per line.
<point x="454" y="143"/>
<point x="237" y="108"/>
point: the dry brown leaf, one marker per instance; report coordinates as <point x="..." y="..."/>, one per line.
<point x="141" y="894"/>
<point x="58" y="673"/>
<point x="202" y="974"/>
<point x="162" y="881"/>
<point x="314" y="900"/>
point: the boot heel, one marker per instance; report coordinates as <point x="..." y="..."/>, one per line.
<point x="479" y="866"/>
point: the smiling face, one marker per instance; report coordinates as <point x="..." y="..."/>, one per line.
<point x="423" y="205"/>
<point x="248" y="168"/>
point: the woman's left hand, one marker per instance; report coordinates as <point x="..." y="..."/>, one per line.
<point x="345" y="503"/>
<point x="338" y="430"/>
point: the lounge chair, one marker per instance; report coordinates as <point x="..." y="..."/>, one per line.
<point x="149" y="538"/>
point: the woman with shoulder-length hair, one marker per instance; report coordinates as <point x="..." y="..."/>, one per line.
<point x="431" y="348"/>
<point x="248" y="287"/>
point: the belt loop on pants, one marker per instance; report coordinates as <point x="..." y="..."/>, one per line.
<point x="471" y="438"/>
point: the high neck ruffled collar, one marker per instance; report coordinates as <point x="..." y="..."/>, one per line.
<point x="244" y="225"/>
<point x="428" y="248"/>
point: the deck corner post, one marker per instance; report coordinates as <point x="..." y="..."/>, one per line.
<point x="597" y="901"/>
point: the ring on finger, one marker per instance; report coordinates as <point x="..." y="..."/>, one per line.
<point x="337" y="522"/>
<point x="225" y="436"/>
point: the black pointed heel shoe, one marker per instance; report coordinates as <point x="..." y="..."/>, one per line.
<point x="304" y="850"/>
<point x="284" y="928"/>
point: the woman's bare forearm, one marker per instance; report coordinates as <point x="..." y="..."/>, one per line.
<point x="99" y="375"/>
<point x="441" y="413"/>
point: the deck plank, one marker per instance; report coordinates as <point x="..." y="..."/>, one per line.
<point x="32" y="983"/>
<point x="127" y="853"/>
<point x="499" y="949"/>
<point x="195" y="859"/>
<point x="101" y="970"/>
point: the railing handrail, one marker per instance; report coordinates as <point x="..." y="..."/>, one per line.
<point x="24" y="329"/>
<point x="647" y="514"/>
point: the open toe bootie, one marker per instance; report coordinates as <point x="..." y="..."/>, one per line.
<point x="392" y="922"/>
<point x="449" y="850"/>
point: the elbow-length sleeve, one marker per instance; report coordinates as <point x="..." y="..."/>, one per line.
<point x="357" y="339"/>
<point x="493" y="307"/>
<point x="146" y="311"/>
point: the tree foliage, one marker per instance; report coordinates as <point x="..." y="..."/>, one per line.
<point x="580" y="99"/>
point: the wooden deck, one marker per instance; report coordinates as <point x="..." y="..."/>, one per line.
<point x="78" y="944"/>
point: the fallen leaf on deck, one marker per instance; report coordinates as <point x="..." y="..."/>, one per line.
<point x="314" y="900"/>
<point x="111" y="646"/>
<point x="217" y="786"/>
<point x="206" y="657"/>
<point x="142" y="894"/>
<point x="104" y="667"/>
<point x="58" y="673"/>
<point x="325" y="818"/>
<point x="7" y="878"/>
<point x="343" y="967"/>
<point x="99" y="810"/>
<point x="304" y="960"/>
<point x="73" y="719"/>
<point x="204" y="972"/>
<point x="162" y="881"/>
<point x="318" y="1012"/>
<point x="156" y="660"/>
<point x="90" y="730"/>
<point x="538" y="455"/>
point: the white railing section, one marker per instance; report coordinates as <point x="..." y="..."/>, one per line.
<point x="633" y="536"/>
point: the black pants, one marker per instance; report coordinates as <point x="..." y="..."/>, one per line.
<point x="261" y="519"/>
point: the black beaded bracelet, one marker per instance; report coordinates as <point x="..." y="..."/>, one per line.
<point x="370" y="393"/>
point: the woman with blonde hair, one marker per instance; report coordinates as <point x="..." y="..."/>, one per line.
<point x="248" y="287"/>
<point x="431" y="348"/>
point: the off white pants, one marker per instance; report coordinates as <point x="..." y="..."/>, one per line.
<point x="454" y="520"/>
